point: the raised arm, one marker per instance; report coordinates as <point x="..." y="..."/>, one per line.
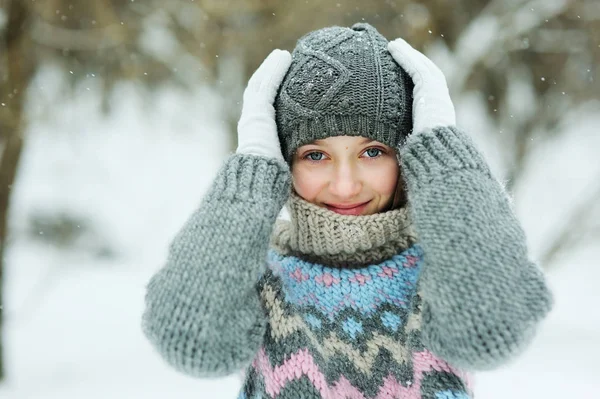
<point x="483" y="298"/>
<point x="203" y="313"/>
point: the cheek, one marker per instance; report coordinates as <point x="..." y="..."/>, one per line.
<point x="384" y="179"/>
<point x="307" y="183"/>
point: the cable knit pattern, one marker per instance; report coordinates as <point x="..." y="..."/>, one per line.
<point x="320" y="235"/>
<point x="343" y="80"/>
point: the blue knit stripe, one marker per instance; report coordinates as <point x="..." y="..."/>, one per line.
<point x="313" y="321"/>
<point x="352" y="327"/>
<point x="257" y="395"/>
<point x="330" y="290"/>
<point x="451" y="394"/>
<point x="391" y="320"/>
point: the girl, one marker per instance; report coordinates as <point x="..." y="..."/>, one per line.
<point x="402" y="268"/>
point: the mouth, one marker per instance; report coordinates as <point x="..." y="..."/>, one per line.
<point x="349" y="209"/>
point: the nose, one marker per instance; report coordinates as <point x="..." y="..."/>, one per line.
<point x="345" y="182"/>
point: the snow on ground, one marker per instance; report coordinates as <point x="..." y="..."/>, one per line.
<point x="73" y="321"/>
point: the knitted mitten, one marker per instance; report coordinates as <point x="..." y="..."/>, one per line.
<point x="203" y="313"/>
<point x="482" y="296"/>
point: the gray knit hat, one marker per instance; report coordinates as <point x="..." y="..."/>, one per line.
<point x="343" y="81"/>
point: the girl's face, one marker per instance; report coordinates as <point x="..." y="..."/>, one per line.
<point x="346" y="174"/>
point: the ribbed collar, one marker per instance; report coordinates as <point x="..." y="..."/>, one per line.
<point x="322" y="236"/>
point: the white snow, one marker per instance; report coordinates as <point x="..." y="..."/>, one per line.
<point x="73" y="320"/>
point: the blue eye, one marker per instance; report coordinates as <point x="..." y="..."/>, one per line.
<point x="373" y="152"/>
<point x="318" y="157"/>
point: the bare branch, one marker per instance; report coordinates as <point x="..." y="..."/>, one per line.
<point x="77" y="39"/>
<point x="17" y="60"/>
<point x="489" y="33"/>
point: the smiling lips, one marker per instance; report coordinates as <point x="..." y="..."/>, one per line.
<point x="351" y="209"/>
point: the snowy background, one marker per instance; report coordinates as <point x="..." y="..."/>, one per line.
<point x="133" y="176"/>
<point x="99" y="196"/>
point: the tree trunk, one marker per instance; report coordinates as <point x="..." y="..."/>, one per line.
<point x="17" y="69"/>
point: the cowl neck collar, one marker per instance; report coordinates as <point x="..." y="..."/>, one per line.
<point x="318" y="235"/>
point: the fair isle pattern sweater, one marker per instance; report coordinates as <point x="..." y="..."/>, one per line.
<point x="347" y="334"/>
<point x="352" y="329"/>
<point x="480" y="296"/>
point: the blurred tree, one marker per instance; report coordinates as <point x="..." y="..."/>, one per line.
<point x="540" y="53"/>
<point x="16" y="73"/>
<point x="550" y="48"/>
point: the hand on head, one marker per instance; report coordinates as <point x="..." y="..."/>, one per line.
<point x="263" y="132"/>
<point x="432" y="105"/>
<point x="257" y="131"/>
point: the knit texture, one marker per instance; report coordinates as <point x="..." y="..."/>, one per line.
<point x="464" y="297"/>
<point x="200" y="326"/>
<point x="343" y="81"/>
<point x="347" y="333"/>
<point x="338" y="330"/>
<point x="319" y="235"/>
<point x="485" y="298"/>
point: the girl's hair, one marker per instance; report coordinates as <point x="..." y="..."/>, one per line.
<point x="400" y="195"/>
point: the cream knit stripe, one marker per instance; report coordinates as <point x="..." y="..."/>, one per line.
<point x="283" y="326"/>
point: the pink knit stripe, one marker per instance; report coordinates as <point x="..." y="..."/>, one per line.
<point x="411" y="261"/>
<point x="302" y="363"/>
<point x="299" y="363"/>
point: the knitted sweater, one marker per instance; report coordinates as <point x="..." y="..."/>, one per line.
<point x="460" y="295"/>
<point x="352" y="328"/>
